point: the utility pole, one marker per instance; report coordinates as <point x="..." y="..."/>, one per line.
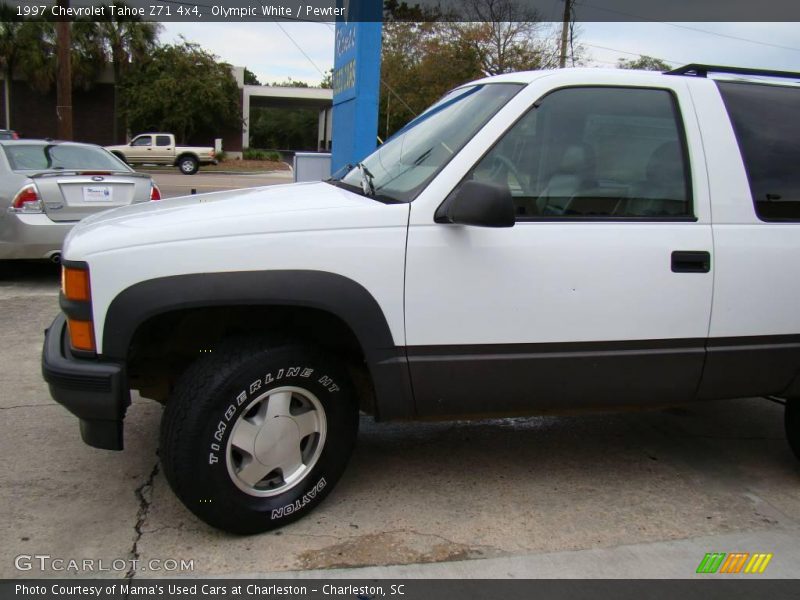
<point x="562" y="58"/>
<point x="64" y="75"/>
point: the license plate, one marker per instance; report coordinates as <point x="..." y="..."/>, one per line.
<point x="97" y="193"/>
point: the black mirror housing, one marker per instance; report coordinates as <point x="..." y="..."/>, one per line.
<point x="478" y="203"/>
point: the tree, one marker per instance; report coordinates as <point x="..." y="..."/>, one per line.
<point x="182" y="89"/>
<point x="10" y="53"/>
<point x="427" y="53"/>
<point x="125" y="41"/>
<point x="28" y="47"/>
<point x="327" y="80"/>
<point x="289" y="82"/>
<point x="506" y="37"/>
<point x="283" y="128"/>
<point x="250" y="77"/>
<point x="648" y="63"/>
<point x="420" y="62"/>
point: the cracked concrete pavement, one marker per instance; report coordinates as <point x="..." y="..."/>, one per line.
<point x="531" y="497"/>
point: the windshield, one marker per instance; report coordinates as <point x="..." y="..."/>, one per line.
<point x="46" y="157"/>
<point x="399" y="169"/>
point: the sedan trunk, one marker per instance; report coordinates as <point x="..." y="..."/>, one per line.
<point x="73" y="196"/>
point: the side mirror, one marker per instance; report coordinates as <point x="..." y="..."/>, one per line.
<point x="478" y="203"/>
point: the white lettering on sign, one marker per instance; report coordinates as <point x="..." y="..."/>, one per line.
<point x="344" y="77"/>
<point x="345" y="39"/>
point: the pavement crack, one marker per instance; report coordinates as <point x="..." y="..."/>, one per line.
<point x="144" y="493"/>
<point x="27" y="406"/>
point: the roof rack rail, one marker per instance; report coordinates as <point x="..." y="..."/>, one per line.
<point x="699" y="70"/>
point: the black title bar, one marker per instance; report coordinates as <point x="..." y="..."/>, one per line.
<point x="411" y="10"/>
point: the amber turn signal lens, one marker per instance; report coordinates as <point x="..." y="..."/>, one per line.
<point x="75" y="284"/>
<point x="81" y="335"/>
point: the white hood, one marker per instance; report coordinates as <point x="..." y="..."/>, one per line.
<point x="253" y="211"/>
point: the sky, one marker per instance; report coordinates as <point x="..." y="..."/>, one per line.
<point x="271" y="50"/>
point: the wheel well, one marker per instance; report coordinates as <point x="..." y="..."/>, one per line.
<point x="165" y="345"/>
<point x="185" y="155"/>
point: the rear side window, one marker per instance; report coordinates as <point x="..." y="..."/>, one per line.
<point x="53" y="157"/>
<point x="162" y="140"/>
<point x="766" y="120"/>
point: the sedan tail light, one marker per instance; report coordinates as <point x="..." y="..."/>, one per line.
<point x="14" y="135"/>
<point x="27" y="200"/>
<point x="155" y="193"/>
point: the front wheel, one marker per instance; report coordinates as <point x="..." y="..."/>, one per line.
<point x="255" y="437"/>
<point x="188" y="165"/>
<point x="792" y="424"/>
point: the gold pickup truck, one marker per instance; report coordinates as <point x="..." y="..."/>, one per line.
<point x="160" y="149"/>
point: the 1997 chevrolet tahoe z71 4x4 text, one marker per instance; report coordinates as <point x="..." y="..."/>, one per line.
<point x="534" y="242"/>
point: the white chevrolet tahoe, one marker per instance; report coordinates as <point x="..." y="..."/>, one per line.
<point x="534" y="242"/>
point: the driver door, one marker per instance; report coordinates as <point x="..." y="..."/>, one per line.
<point x="141" y="149"/>
<point x="600" y="294"/>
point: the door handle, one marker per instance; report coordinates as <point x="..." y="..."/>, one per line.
<point x="691" y="261"/>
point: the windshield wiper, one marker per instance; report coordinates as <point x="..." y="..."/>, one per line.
<point x="421" y="158"/>
<point x="341" y="172"/>
<point x="366" y="180"/>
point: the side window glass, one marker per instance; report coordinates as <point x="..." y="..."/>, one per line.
<point x="144" y="140"/>
<point x="765" y="120"/>
<point x="162" y="140"/>
<point x="594" y="152"/>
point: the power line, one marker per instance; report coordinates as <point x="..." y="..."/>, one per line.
<point x="396" y="95"/>
<point x="303" y="52"/>
<point x="732" y="37"/>
<point x="677" y="62"/>
<point x="698" y="29"/>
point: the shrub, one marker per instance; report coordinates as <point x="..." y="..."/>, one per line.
<point x="259" y="154"/>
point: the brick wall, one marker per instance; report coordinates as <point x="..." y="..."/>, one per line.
<point x="33" y="114"/>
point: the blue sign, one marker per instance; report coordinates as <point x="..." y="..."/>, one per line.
<point x="356" y="83"/>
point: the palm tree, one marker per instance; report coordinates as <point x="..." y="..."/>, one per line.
<point x="28" y="47"/>
<point x="10" y="49"/>
<point x="127" y="41"/>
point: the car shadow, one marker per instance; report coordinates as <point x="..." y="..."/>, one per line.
<point x="14" y="272"/>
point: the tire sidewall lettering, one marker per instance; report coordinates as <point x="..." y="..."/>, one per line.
<point x="300" y="376"/>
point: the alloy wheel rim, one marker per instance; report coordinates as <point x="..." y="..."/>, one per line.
<point x="276" y="441"/>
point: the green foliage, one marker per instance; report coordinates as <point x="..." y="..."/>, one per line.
<point x="221" y="156"/>
<point x="29" y="48"/>
<point x="421" y="61"/>
<point x="294" y="129"/>
<point x="327" y="81"/>
<point x="182" y="89"/>
<point x="259" y="154"/>
<point x="126" y="40"/>
<point x="250" y="77"/>
<point x="648" y="63"/>
<point x="291" y="83"/>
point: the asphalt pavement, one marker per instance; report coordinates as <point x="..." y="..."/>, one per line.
<point x="172" y="183"/>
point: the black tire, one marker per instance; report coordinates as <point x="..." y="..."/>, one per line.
<point x="188" y="165"/>
<point x="792" y="424"/>
<point x="219" y="393"/>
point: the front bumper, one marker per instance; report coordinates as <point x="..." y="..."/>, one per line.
<point x="93" y="390"/>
